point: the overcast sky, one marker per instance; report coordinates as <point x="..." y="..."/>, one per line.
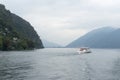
<point x="62" y="21"/>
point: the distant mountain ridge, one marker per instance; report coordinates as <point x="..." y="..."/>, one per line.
<point x="16" y="33"/>
<point x="48" y="44"/>
<point x="106" y="37"/>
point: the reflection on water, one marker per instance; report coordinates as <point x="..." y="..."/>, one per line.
<point x="60" y="64"/>
<point x="116" y="69"/>
<point x="13" y="67"/>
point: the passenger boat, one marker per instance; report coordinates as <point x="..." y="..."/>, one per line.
<point x="84" y="50"/>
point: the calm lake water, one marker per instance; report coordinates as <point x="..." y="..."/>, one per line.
<point x="60" y="64"/>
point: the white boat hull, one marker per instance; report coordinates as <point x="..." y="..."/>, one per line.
<point x="80" y="52"/>
<point x="84" y="51"/>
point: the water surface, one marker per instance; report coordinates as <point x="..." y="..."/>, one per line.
<point x="60" y="64"/>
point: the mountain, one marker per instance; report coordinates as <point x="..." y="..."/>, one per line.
<point x="106" y="37"/>
<point x="16" y="33"/>
<point x="48" y="44"/>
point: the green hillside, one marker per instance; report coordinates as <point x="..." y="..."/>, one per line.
<point x="16" y="33"/>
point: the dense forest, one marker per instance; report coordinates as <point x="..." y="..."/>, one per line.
<point x="16" y="33"/>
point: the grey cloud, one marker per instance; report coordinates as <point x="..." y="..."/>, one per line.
<point x="60" y="16"/>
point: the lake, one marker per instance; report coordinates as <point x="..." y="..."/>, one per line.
<point x="60" y="64"/>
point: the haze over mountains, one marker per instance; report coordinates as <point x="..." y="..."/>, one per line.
<point x="106" y="37"/>
<point x="48" y="44"/>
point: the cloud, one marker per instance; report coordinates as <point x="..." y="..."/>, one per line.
<point x="62" y="21"/>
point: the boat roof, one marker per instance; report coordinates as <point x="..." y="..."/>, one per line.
<point x="85" y="47"/>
